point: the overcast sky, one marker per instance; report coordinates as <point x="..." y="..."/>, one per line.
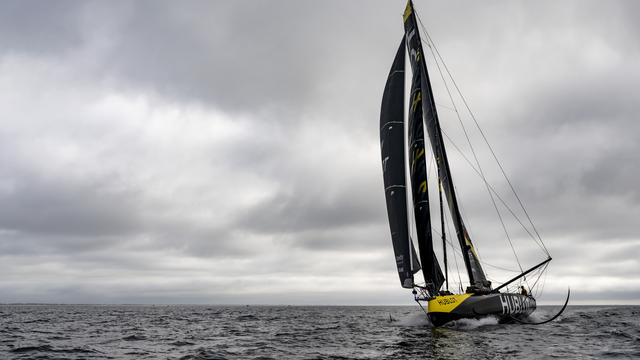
<point x="228" y="151"/>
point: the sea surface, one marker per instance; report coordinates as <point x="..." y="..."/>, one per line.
<point x="306" y="332"/>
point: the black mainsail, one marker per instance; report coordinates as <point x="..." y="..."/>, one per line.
<point x="393" y="168"/>
<point x="477" y="277"/>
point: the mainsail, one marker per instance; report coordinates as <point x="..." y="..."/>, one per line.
<point x="477" y="277"/>
<point x="393" y="168"/>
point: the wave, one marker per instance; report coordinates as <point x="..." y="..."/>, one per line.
<point x="49" y="348"/>
<point x="182" y="343"/>
<point x="417" y="319"/>
<point x="134" y="338"/>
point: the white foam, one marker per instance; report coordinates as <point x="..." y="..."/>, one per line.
<point x="470" y="324"/>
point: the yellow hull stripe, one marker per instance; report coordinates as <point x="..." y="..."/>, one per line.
<point x="445" y="304"/>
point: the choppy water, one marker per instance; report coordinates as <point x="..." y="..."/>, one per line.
<point x="283" y="332"/>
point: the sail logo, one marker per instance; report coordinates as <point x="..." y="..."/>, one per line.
<point x="516" y="304"/>
<point x="447" y="301"/>
<point x="417" y="98"/>
<point x="400" y="263"/>
<point x="413" y="51"/>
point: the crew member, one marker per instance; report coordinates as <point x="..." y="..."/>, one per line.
<point x="523" y="291"/>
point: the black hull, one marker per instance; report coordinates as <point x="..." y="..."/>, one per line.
<point x="504" y="306"/>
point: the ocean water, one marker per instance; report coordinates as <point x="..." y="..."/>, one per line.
<point x="306" y="332"/>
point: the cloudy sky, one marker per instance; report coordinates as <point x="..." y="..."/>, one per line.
<point x="227" y="152"/>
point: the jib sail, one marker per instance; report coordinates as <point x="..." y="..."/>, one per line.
<point x="477" y="277"/>
<point x="418" y="173"/>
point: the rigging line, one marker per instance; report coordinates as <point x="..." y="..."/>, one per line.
<point x="496" y="193"/>
<point x="534" y="288"/>
<point x="538" y="276"/>
<point x="448" y="240"/>
<point x="465" y="131"/>
<point x="499" y="268"/>
<point x="542" y="271"/>
<point x="454" y="250"/>
<point x="445" y="106"/>
<point x="477" y="125"/>
<point x="433" y="229"/>
<point x="463" y="215"/>
<point x="455" y="258"/>
<point x="466" y="220"/>
<point x="475" y="156"/>
<point x="538" y="273"/>
<point x="472" y="149"/>
<point x="483" y="135"/>
<point x="523" y="281"/>
<point x="544" y="281"/>
<point x="439" y="233"/>
<point x="535" y="273"/>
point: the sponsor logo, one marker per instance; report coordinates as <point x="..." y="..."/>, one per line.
<point x="516" y="304"/>
<point x="447" y="301"/>
<point x="400" y="263"/>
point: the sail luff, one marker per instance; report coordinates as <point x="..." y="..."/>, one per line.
<point x="393" y="168"/>
<point x="476" y="275"/>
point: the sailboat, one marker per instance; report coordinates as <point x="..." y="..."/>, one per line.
<point x="441" y="305"/>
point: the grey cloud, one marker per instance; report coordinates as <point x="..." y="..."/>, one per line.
<point x="237" y="56"/>
<point x="297" y="211"/>
<point x="40" y="28"/>
<point x="293" y="191"/>
<point x="49" y="206"/>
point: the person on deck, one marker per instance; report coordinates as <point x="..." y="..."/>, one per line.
<point x="523" y="291"/>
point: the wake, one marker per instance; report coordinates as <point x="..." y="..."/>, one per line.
<point x="472" y="324"/>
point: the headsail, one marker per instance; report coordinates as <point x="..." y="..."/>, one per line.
<point x="393" y="168"/>
<point x="477" y="277"/>
<point x="418" y="172"/>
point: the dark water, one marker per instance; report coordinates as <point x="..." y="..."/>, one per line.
<point x="282" y="332"/>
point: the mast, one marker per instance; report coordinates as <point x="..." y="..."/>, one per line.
<point x="393" y="168"/>
<point x="475" y="272"/>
